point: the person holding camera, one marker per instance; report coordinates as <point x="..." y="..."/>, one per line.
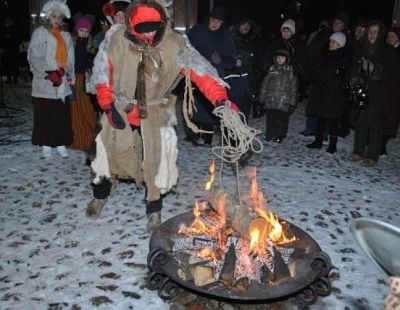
<point x="377" y="61"/>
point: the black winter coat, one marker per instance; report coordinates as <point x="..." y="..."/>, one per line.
<point x="328" y="77"/>
<point x="394" y="85"/>
<point x="249" y="54"/>
<point x="207" y="42"/>
<point x="385" y="60"/>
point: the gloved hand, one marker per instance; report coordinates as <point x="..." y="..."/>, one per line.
<point x="55" y="76"/>
<point x="231" y="105"/>
<point x="114" y="118"/>
<point x="367" y="65"/>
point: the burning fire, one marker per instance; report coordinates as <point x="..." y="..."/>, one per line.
<point x="211" y="221"/>
<point x="211" y="181"/>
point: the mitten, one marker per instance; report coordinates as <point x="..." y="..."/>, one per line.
<point x="231" y="105"/>
<point x="114" y="118"/>
<point x="55" y="76"/>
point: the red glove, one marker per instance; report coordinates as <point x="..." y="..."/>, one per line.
<point x="114" y="118"/>
<point x="55" y="76"/>
<point x="231" y="105"/>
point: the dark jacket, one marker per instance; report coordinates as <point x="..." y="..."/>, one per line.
<point x="394" y="93"/>
<point x="385" y="61"/>
<point x="279" y="88"/>
<point x="328" y="79"/>
<point x="248" y="55"/>
<point x="207" y="42"/>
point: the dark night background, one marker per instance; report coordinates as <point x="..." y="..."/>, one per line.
<point x="264" y="12"/>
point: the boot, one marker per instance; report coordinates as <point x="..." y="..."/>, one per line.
<point x="95" y="207"/>
<point x="153" y="221"/>
<point x="62" y="151"/>
<point x="46" y="151"/>
<point x="317" y="144"/>
<point x="332" y="145"/>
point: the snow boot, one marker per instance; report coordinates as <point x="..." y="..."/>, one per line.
<point x="95" y="207"/>
<point x="332" y="145"/>
<point x="62" y="151"/>
<point x="46" y="151"/>
<point x="317" y="144"/>
<point x="153" y="221"/>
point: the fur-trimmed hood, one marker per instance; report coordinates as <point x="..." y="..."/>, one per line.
<point x="129" y="34"/>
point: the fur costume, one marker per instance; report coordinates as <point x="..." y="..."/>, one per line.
<point x="123" y="58"/>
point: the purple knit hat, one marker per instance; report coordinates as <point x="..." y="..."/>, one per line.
<point x="83" y="22"/>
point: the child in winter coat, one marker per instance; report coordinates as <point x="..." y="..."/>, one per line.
<point x="278" y="93"/>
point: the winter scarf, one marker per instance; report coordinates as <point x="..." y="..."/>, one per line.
<point x="61" y="50"/>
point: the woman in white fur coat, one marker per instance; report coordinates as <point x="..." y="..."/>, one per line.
<point x="51" y="59"/>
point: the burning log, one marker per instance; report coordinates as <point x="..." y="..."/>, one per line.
<point x="227" y="274"/>
<point x="242" y="285"/>
<point x="266" y="276"/>
<point x="239" y="218"/>
<point x="281" y="270"/>
<point x="203" y="275"/>
<point x="184" y="271"/>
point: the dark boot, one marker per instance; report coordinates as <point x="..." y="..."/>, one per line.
<point x="317" y="144"/>
<point x="384" y="143"/>
<point x="332" y="145"/>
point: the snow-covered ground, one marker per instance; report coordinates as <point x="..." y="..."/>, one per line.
<point x="53" y="257"/>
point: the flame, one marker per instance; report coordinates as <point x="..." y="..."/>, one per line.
<point x="199" y="227"/>
<point x="254" y="238"/>
<point x="208" y="254"/>
<point x="276" y="232"/>
<point x="254" y="193"/>
<point x="211" y="169"/>
<point x="258" y="232"/>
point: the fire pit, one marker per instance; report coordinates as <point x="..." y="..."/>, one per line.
<point x="229" y="250"/>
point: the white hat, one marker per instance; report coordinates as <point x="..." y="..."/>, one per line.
<point x="290" y="24"/>
<point x="339" y="37"/>
<point x="59" y="5"/>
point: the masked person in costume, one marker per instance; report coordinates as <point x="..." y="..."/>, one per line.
<point x="137" y="67"/>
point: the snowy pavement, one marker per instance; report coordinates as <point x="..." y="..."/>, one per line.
<point x="53" y="257"/>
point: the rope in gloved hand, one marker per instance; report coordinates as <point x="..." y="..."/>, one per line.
<point x="237" y="137"/>
<point x="188" y="106"/>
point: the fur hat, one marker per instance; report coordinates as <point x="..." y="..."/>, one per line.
<point x="59" y="5"/>
<point x="339" y="37"/>
<point x="217" y="13"/>
<point x="83" y="22"/>
<point x="290" y="24"/>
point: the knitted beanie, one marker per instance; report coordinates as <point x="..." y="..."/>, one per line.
<point x="290" y="24"/>
<point x="83" y="22"/>
<point x="339" y="37"/>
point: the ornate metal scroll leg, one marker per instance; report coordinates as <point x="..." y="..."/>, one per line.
<point x="168" y="291"/>
<point x="321" y="262"/>
<point x="157" y="259"/>
<point x="306" y="297"/>
<point x="322" y="287"/>
<point x="155" y="281"/>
